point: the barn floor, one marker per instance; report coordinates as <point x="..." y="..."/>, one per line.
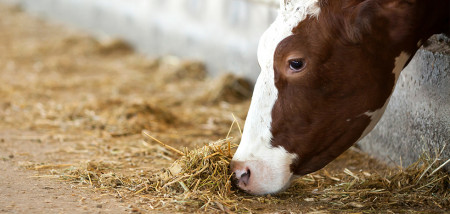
<point x="68" y="100"/>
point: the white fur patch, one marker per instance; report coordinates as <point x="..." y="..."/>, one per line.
<point x="256" y="140"/>
<point x="376" y="115"/>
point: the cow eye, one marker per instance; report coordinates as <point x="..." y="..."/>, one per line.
<point x="296" y="65"/>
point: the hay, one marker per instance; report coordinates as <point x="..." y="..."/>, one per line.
<point x="228" y="88"/>
<point x="423" y="184"/>
<point x="173" y="69"/>
<point x="187" y="70"/>
<point x="114" y="46"/>
<point x="200" y="180"/>
<point x="124" y="118"/>
<point x="203" y="170"/>
<point x="201" y="174"/>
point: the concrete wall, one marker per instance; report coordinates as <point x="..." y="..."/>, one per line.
<point x="225" y="34"/>
<point x="417" y="118"/>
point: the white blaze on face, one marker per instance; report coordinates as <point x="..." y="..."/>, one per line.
<point x="272" y="163"/>
<point x="376" y="115"/>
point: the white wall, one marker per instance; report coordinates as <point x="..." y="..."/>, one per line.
<point x="223" y="33"/>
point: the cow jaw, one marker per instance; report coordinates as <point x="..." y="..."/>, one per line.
<point x="268" y="167"/>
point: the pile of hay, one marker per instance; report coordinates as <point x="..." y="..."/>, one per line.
<point x="229" y="88"/>
<point x="201" y="174"/>
<point x="200" y="179"/>
<point x="422" y="185"/>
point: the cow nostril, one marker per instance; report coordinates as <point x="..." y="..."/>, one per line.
<point x="241" y="172"/>
<point x="245" y="177"/>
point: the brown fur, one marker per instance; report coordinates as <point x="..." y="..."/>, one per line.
<point x="350" y="52"/>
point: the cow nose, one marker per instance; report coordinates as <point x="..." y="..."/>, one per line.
<point x="241" y="173"/>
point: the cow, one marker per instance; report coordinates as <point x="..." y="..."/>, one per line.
<point x="328" y="69"/>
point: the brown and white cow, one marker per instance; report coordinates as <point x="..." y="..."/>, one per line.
<point x="328" y="70"/>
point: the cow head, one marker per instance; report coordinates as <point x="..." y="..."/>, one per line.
<point x="328" y="69"/>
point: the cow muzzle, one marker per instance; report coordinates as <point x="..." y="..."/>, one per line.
<point x="258" y="177"/>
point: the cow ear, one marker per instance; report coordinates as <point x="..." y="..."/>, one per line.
<point x="383" y="19"/>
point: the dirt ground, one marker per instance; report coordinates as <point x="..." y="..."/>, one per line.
<point x="68" y="100"/>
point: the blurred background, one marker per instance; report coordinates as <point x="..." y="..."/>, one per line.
<point x="222" y="33"/>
